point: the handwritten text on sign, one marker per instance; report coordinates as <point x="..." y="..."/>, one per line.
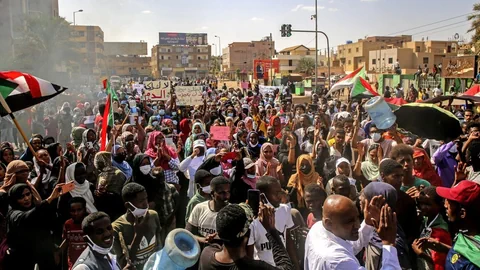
<point x="189" y="95"/>
<point x="220" y="133"/>
<point x="158" y="90"/>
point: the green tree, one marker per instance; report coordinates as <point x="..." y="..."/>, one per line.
<point x="475" y="28"/>
<point x="306" y="65"/>
<point x="45" y="49"/>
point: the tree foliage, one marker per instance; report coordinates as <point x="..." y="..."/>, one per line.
<point x="306" y="65"/>
<point x="44" y="47"/>
<point x="475" y="27"/>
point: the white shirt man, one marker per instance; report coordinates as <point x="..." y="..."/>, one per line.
<point x="258" y="234"/>
<point x="324" y="250"/>
<point x="191" y="164"/>
<point x="204" y="219"/>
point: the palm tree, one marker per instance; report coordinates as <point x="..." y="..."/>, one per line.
<point x="45" y="46"/>
<point x="306" y="65"/>
<point x="475" y="19"/>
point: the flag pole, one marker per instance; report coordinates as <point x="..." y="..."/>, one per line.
<point x="10" y="113"/>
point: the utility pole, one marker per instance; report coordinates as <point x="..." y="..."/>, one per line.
<point x="316" y="49"/>
<point x="271" y="60"/>
<point x="287" y="31"/>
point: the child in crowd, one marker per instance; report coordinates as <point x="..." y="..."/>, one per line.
<point x="315" y="196"/>
<point x="72" y="230"/>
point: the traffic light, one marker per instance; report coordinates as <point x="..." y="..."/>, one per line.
<point x="283" y="30"/>
<point x="289" y="30"/>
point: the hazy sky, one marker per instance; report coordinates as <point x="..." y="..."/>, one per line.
<point x="246" y="20"/>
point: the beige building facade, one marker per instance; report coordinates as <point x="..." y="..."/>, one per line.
<point x="128" y="59"/>
<point x="89" y="43"/>
<point x="180" y="61"/>
<point x="238" y="56"/>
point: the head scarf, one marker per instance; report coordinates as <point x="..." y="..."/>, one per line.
<point x="103" y="161"/>
<point x="80" y="190"/>
<point x="427" y="171"/>
<point x="85" y="140"/>
<point x="125" y="135"/>
<point x="124" y="166"/>
<point x="301" y="180"/>
<point x="369" y="168"/>
<point x="11" y="179"/>
<point x="262" y="161"/>
<point x="152" y="149"/>
<point x="137" y="160"/>
<point x="52" y="150"/>
<point x="249" y="123"/>
<point x="77" y="136"/>
<point x="380" y="188"/>
<point x="15" y="193"/>
<point x="2" y="150"/>
<point x="184" y="129"/>
<point x="253" y="150"/>
<point x="125" y="127"/>
<point x="277" y="129"/>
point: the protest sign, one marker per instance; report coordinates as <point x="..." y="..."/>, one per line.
<point x="158" y="90"/>
<point x="244" y="85"/>
<point x="189" y="95"/>
<point x="138" y="88"/>
<point x="270" y="89"/>
<point x="220" y="133"/>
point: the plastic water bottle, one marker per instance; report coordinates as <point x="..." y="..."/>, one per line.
<point x="381" y="114"/>
<point x="181" y="251"/>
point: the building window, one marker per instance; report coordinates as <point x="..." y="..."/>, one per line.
<point x="374" y="61"/>
<point x="390" y="60"/>
<point x="349" y="61"/>
<point x="199" y="58"/>
<point x="349" y="50"/>
<point x="169" y="50"/>
<point x="356" y="49"/>
<point x="290" y="63"/>
<point x="177" y="57"/>
<point x="417" y="49"/>
<point x="425" y="60"/>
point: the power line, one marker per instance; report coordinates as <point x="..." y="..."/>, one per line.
<point x="421" y="26"/>
<point x="440" y="27"/>
<point x="446" y="29"/>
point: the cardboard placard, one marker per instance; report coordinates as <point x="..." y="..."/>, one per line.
<point x="220" y="133"/>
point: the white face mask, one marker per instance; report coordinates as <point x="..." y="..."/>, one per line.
<point x="138" y="212"/>
<point x="206" y="189"/>
<point x="253" y="145"/>
<point x="376" y="137"/>
<point x="216" y="171"/>
<point x="251" y="176"/>
<point x="145" y="169"/>
<point x="99" y="249"/>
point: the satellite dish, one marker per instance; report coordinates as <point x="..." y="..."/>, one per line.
<point x="456" y="36"/>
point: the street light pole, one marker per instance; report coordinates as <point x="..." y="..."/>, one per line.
<point x="80" y="10"/>
<point x="328" y="46"/>
<point x="220" y="53"/>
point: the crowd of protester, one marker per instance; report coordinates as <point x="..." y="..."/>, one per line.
<point x="336" y="192"/>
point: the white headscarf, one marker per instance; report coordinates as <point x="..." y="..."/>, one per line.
<point x="46" y="176"/>
<point x="81" y="190"/>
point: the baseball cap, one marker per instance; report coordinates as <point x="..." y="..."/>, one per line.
<point x="465" y="193"/>
<point x="199" y="143"/>
<point x="248" y="163"/>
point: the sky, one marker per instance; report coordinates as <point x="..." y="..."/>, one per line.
<point x="247" y="20"/>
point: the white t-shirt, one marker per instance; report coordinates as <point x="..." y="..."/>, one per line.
<point x="258" y="234"/>
<point x="432" y="145"/>
<point x="204" y="219"/>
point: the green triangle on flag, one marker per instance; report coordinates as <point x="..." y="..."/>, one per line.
<point x="7" y="87"/>
<point x="362" y="89"/>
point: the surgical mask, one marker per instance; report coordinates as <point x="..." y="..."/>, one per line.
<point x="305" y="168"/>
<point x="376" y="137"/>
<point x="251" y="176"/>
<point x="161" y="112"/>
<point x="174" y="113"/>
<point x="145" y="169"/>
<point x="138" y="212"/>
<point x="216" y="171"/>
<point x="230" y="114"/>
<point x="99" y="249"/>
<point x="270" y="99"/>
<point x="206" y="189"/>
<point x="253" y="145"/>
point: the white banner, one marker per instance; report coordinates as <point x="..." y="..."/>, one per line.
<point x="189" y="95"/>
<point x="270" y="89"/>
<point x="157" y="90"/>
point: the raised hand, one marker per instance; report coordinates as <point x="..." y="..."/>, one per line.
<point x="372" y="209"/>
<point x="387" y="227"/>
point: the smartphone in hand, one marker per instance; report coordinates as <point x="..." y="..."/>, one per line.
<point x="253" y="197"/>
<point x="68" y="187"/>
